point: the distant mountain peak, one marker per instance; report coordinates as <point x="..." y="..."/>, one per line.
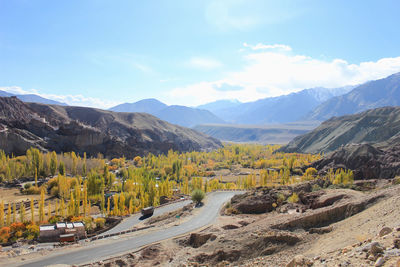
<point x="372" y="94"/>
<point x="148" y="105"/>
<point x="32" y="98"/>
<point x="176" y="114"/>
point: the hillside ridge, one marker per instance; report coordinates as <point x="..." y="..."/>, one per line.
<point x="82" y="129"/>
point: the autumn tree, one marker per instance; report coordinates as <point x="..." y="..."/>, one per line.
<point x="108" y="206"/>
<point x="48" y="210"/>
<point x="8" y="222"/>
<point x="84" y="167"/>
<point x="74" y="163"/>
<point x="1" y="214"/>
<point x="115" y="210"/>
<point x="41" y="206"/>
<point x="32" y="212"/>
<point x="121" y="204"/>
<point x="62" y="208"/>
<point x="85" y="198"/>
<point x="71" y="205"/>
<point x="22" y="212"/>
<point x="14" y="213"/>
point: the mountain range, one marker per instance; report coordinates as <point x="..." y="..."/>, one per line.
<point x="373" y="94"/>
<point x="281" y="109"/>
<point x="265" y="120"/>
<point x="180" y="115"/>
<point x="315" y="104"/>
<point x="81" y="129"/>
<point x="32" y="98"/>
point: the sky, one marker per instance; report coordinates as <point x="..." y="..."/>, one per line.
<point x="101" y="53"/>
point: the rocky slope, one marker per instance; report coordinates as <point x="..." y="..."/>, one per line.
<point x="372" y="126"/>
<point x="366" y="161"/>
<point x="367" y="143"/>
<point x="81" y="129"/>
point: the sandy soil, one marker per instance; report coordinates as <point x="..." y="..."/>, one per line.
<point x="13" y="195"/>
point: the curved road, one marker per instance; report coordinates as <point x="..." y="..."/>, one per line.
<point x="129" y="222"/>
<point x="206" y="216"/>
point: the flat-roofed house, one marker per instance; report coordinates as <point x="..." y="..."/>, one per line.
<point x="52" y="232"/>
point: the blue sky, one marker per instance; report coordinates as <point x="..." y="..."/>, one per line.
<point x="101" y="53"/>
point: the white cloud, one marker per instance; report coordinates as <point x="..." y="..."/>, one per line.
<point x="204" y="92"/>
<point x="261" y="46"/>
<point x="18" y="90"/>
<point x="271" y="71"/>
<point x="204" y="63"/>
<point x="72" y="100"/>
<point x="80" y="100"/>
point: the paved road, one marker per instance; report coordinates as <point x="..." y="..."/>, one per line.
<point x="129" y="222"/>
<point x="206" y="216"/>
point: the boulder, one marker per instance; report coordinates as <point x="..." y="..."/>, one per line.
<point x="302" y="188"/>
<point x="321" y="230"/>
<point x="376" y="249"/>
<point x="379" y="262"/>
<point x="299" y="261"/>
<point x="396" y="243"/>
<point x="385" y="231"/>
<point x="150" y="252"/>
<point x="230" y="227"/>
<point x="252" y="203"/>
<point x="198" y="239"/>
<point x="327" y="200"/>
<point x="244" y="223"/>
<point x="218" y="256"/>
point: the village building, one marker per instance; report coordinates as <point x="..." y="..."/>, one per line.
<point x="53" y="232"/>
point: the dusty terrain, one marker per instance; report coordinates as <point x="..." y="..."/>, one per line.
<point x="337" y="228"/>
<point x="14" y="195"/>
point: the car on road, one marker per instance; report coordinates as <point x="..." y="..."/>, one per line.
<point x="148" y="211"/>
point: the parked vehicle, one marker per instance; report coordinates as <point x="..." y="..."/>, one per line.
<point x="148" y="211"/>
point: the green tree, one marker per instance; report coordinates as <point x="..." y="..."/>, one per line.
<point x="61" y="168"/>
<point x="53" y="163"/>
<point x="197" y="196"/>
